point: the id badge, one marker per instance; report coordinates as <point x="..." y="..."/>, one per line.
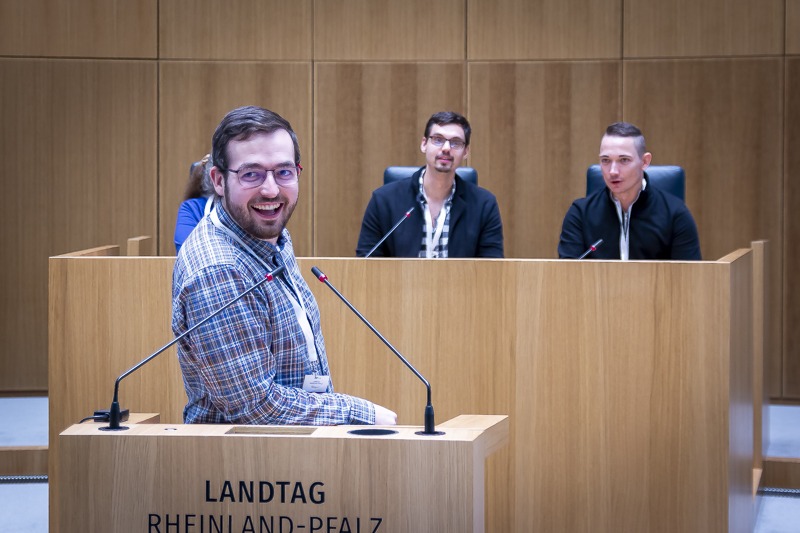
<point x="316" y="383"/>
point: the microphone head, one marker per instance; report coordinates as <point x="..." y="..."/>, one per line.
<point x="318" y="273"/>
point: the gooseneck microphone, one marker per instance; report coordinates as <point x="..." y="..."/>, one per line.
<point x="402" y="219"/>
<point x="115" y="414"/>
<point x="592" y="248"/>
<point x="430" y="426"/>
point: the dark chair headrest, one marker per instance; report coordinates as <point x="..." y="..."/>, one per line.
<point x="392" y="174"/>
<point x="667" y="178"/>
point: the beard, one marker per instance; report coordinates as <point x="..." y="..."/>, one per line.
<point x="252" y="223"/>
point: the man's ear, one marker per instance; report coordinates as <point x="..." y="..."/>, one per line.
<point x="646" y="158"/>
<point x="423" y="145"/>
<point x="218" y="180"/>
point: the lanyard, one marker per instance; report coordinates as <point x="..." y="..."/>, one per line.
<point x="432" y="236"/>
<point x="625" y="224"/>
<point x="289" y="289"/>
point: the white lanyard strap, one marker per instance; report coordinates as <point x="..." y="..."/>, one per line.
<point x="432" y="236"/>
<point x="291" y="291"/>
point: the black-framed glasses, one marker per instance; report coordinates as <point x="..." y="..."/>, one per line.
<point x="251" y="177"/>
<point x="455" y="144"/>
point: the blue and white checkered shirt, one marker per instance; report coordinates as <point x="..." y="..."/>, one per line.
<point x="247" y="365"/>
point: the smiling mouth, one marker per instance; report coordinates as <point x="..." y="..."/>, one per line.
<point x="267" y="209"/>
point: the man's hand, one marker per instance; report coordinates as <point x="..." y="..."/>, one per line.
<point x="384" y="417"/>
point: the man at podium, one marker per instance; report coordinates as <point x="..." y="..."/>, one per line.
<point x="262" y="360"/>
<point x="634" y="219"/>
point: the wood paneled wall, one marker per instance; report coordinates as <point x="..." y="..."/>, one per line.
<point x="111" y="101"/>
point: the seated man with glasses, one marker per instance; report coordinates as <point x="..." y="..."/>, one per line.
<point x="262" y="360"/>
<point x="451" y="217"/>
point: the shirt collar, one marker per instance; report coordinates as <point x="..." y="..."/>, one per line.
<point x="422" y="196"/>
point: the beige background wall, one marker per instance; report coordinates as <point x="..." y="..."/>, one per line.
<point x="105" y="104"/>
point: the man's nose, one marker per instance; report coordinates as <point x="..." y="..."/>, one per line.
<point x="270" y="186"/>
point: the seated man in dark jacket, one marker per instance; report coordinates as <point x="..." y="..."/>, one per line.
<point x="452" y="218"/>
<point x="634" y="219"/>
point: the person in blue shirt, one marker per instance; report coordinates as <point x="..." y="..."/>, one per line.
<point x="197" y="200"/>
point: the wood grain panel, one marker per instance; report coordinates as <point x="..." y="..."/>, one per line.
<point x="392" y="484"/>
<point x="632" y="420"/>
<point x="124" y="314"/>
<point x="141" y="245"/>
<point x="741" y="393"/>
<point x="686" y="28"/>
<point x="384" y="30"/>
<point x="367" y="117"/>
<point x="760" y="320"/>
<point x="78" y="28"/>
<point x="235" y="29"/>
<point x="194" y="97"/>
<point x="537" y="127"/>
<point x="23" y="461"/>
<point x="544" y="29"/>
<point x="782" y="472"/>
<point x="81" y="136"/>
<point x="632" y="424"/>
<point x="792" y="27"/>
<point x="724" y="128"/>
<point x="789" y="367"/>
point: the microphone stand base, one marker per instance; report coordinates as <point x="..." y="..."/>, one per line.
<point x="429" y="434"/>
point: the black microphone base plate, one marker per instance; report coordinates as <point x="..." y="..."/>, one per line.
<point x="426" y="434"/>
<point x="109" y="428"/>
<point x="372" y="432"/>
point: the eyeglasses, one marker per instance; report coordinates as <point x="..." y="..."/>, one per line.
<point x="251" y="177"/>
<point x="455" y="144"/>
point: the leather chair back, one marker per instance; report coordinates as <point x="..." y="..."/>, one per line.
<point x="668" y="178"/>
<point x="392" y="174"/>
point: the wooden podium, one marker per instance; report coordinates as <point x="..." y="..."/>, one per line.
<point x="629" y="385"/>
<point x="176" y="477"/>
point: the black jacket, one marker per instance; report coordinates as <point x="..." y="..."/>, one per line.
<point x="475" y="226"/>
<point x="661" y="228"/>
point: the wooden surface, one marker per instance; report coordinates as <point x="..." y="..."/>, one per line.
<point x="78" y="28"/>
<point x="792" y="28"/>
<point x="105" y="316"/>
<point x="82" y="136"/>
<point x="241" y="30"/>
<point x="351" y="479"/>
<point x="193" y="98"/>
<point x="731" y="95"/>
<point x="544" y="29"/>
<point x="782" y="473"/>
<point x="23" y="461"/>
<point x="760" y="320"/>
<point x="627" y="384"/>
<point x="139" y="246"/>
<point x="785" y="370"/>
<point x="174" y="73"/>
<point x="368" y="116"/>
<point x="540" y="123"/>
<point x="109" y="250"/>
<point x="386" y="30"/>
<point x="684" y="28"/>
<point x="741" y="397"/>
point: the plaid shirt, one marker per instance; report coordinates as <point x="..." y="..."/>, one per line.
<point x="440" y="250"/>
<point x="247" y="364"/>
